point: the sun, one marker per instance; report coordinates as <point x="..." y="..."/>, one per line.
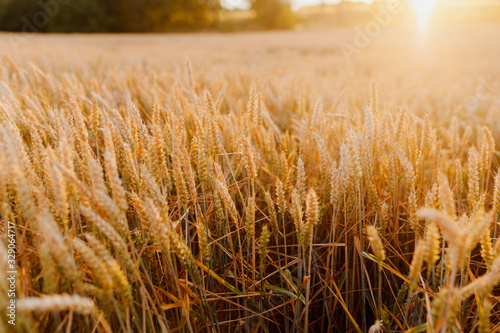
<point x="423" y="8"/>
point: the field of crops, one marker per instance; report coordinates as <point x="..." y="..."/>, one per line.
<point x="251" y="182"/>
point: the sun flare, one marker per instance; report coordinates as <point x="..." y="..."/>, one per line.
<point x="424" y="9"/>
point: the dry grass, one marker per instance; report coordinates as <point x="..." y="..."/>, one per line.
<point x="265" y="184"/>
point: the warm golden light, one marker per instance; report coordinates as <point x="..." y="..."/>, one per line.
<point x="424" y="9"/>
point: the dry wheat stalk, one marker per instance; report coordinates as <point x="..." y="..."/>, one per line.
<point x="74" y="303"/>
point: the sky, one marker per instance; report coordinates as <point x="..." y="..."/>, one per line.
<point x="244" y="4"/>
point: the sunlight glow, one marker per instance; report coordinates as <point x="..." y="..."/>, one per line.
<point x="424" y="9"/>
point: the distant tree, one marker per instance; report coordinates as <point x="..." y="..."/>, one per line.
<point x="181" y="14"/>
<point x="85" y="16"/>
<point x="108" y="16"/>
<point x="274" y="14"/>
<point x="15" y="15"/>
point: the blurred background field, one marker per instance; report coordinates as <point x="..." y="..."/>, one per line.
<point x="443" y="69"/>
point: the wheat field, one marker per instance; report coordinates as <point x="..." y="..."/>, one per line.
<point x="251" y="182"/>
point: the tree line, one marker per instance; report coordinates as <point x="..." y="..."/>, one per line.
<point x="131" y="15"/>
